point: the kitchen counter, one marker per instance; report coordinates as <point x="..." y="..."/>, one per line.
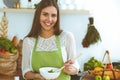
<point x="90" y="76"/>
<point x="5" y="77"/>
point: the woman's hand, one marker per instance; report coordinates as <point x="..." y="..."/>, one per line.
<point x="69" y="68"/>
<point x="39" y="77"/>
<point x="32" y="75"/>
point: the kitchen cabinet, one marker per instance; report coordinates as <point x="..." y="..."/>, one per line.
<point x="24" y="10"/>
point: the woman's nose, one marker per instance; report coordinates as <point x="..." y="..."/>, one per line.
<point x="50" y="18"/>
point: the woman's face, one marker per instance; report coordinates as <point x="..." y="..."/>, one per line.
<point x="48" y="18"/>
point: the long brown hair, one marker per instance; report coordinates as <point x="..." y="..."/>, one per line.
<point x="36" y="26"/>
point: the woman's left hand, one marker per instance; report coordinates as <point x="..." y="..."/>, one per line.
<point x="69" y="68"/>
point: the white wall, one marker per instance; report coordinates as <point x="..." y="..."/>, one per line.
<point x="106" y="16"/>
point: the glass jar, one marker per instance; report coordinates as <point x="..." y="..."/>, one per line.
<point x="29" y="4"/>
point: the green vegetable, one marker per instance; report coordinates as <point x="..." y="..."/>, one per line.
<point x="7" y="45"/>
<point x="13" y="50"/>
<point x="51" y="71"/>
<point x="92" y="63"/>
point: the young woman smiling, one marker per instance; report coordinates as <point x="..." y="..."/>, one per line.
<point x="46" y="45"/>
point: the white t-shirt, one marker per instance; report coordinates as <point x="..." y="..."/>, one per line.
<point x="68" y="49"/>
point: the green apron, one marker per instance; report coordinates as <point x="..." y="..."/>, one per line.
<point x="48" y="59"/>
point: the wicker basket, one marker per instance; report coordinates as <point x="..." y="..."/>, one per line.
<point x="8" y="64"/>
<point x="109" y="71"/>
<point x="114" y="74"/>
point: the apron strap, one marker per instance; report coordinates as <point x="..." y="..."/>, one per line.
<point x="36" y="41"/>
<point x="58" y="42"/>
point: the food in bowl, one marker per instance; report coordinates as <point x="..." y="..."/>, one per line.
<point x="49" y="72"/>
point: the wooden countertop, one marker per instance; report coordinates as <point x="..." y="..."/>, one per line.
<point x="5" y="77"/>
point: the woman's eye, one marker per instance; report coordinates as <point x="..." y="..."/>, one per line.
<point x="45" y="14"/>
<point x="54" y="15"/>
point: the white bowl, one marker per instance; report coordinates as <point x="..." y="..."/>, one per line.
<point x="44" y="71"/>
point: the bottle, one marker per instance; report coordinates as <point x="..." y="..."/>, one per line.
<point x="29" y="4"/>
<point x="16" y="78"/>
<point x="17" y="5"/>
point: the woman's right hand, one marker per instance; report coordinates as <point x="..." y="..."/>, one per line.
<point x="39" y="76"/>
<point x="31" y="75"/>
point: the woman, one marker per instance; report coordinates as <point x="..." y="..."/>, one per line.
<point x="47" y="45"/>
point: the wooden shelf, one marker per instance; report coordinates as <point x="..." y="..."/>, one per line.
<point x="14" y="10"/>
<point x="24" y="10"/>
<point x="74" y="11"/>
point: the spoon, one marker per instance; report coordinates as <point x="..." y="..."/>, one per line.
<point x="74" y="58"/>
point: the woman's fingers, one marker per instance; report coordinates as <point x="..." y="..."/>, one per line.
<point x="70" y="70"/>
<point x="69" y="62"/>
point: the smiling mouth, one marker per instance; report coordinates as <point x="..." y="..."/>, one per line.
<point x="48" y="24"/>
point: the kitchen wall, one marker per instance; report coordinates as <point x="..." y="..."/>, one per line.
<point x="106" y="18"/>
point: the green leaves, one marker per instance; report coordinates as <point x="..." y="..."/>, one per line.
<point x="92" y="63"/>
<point x="7" y="45"/>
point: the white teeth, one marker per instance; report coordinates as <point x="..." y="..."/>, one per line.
<point x="47" y="24"/>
